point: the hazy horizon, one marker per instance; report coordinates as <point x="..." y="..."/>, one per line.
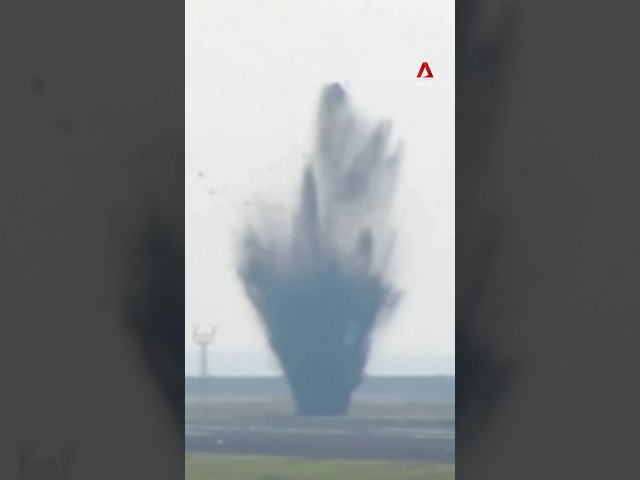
<point x="263" y="363"/>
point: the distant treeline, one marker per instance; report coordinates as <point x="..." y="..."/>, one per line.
<point x="436" y="389"/>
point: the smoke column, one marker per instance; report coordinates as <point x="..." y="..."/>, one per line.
<point x="317" y="279"/>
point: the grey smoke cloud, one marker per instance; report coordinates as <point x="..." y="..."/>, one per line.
<point x="318" y="279"/>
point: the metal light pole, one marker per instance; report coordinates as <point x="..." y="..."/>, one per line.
<point x="204" y="338"/>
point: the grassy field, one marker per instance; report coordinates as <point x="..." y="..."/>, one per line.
<point x="269" y="408"/>
<point x="240" y="467"/>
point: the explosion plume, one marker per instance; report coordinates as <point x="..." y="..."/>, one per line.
<point x="318" y="280"/>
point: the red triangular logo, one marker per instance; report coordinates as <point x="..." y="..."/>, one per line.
<point x="423" y="68"/>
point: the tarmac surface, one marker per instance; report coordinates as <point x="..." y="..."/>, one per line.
<point x="323" y="438"/>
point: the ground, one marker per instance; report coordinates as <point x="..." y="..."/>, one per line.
<point x="242" y="467"/>
<point x="392" y="432"/>
<point x="248" y="430"/>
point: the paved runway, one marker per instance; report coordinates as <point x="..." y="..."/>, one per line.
<point x="422" y="441"/>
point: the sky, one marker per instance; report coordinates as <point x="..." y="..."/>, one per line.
<point x="254" y="71"/>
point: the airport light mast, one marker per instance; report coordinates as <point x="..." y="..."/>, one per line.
<point x="204" y="338"/>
